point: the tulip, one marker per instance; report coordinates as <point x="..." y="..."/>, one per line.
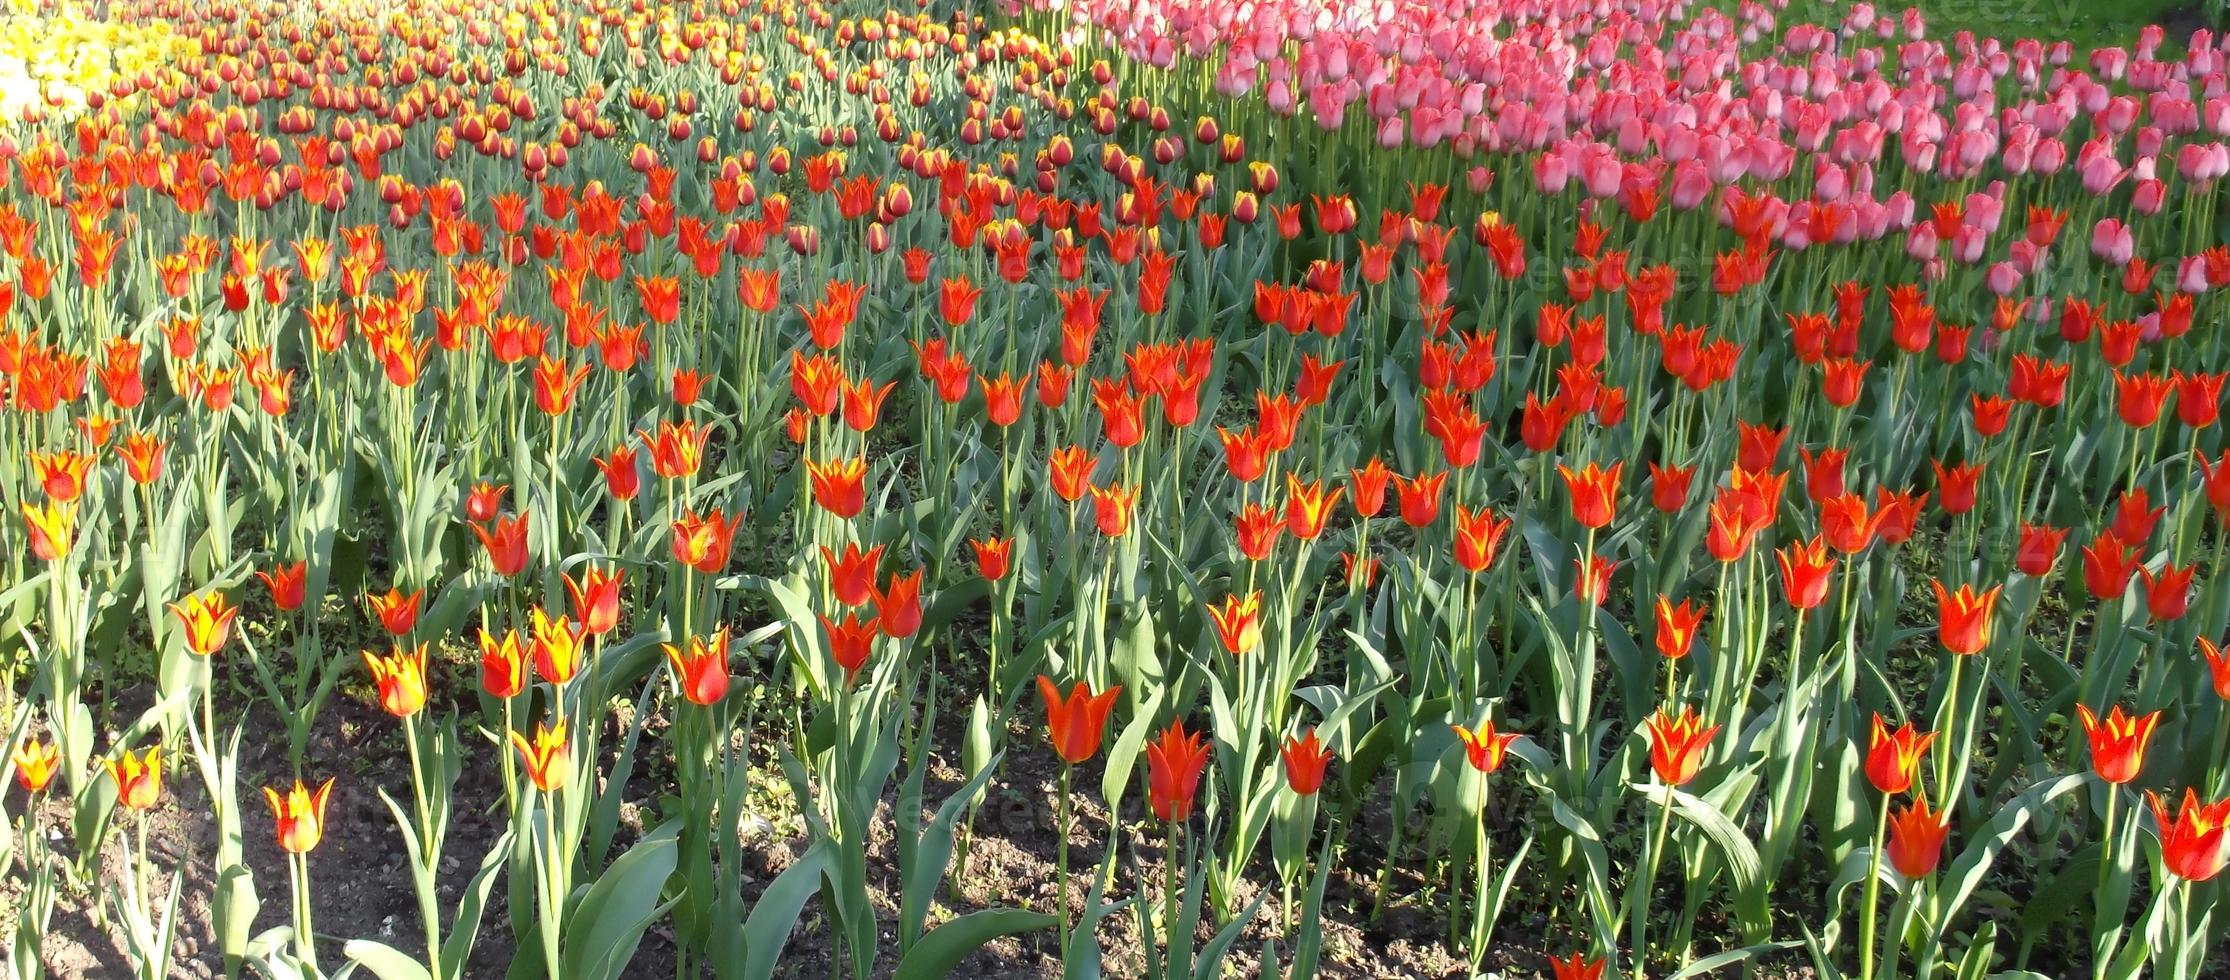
<point x="1420" y="498"/>
<point x="702" y="672"/>
<point x="2168" y="591"/>
<point x="994" y="556"/>
<point x="1076" y="723"/>
<point x="839" y="486"/>
<point x="558" y="646"/>
<point x="1805" y="566"/>
<point x="2191" y="841"/>
<point x="1594" y="493"/>
<point x="505" y="541"/>
<point x="1308" y="508"/>
<point x="2107" y="566"/>
<point x="596" y="599"/>
<point x="1576" y="968"/>
<point x="286" y="584"/>
<point x="2117" y="742"/>
<point x="1591" y="578"/>
<point x="1893" y="758"/>
<point x="397" y="612"/>
<point x="1111" y="509"/>
<point x="1483" y="747"/>
<point x="37" y="760"/>
<point x="1677" y="744"/>
<point x="139" y="779"/>
<point x="851" y="641"/>
<point x="1963" y="617"/>
<point x="1305" y="760"/>
<point x="2218" y="666"/>
<point x="898" y="608"/>
<point x="1174" y="762"/>
<point x="401" y="679"/>
<point x="544" y="756"/>
<point x="300" y="815"/>
<point x="852" y="574"/>
<point x="1238" y="622"/>
<point x="1916" y="840"/>
<point x="503" y="664"/>
<point x="207" y="620"/>
<point x="1676" y="626"/>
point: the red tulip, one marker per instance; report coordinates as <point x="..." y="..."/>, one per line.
<point x="1963" y="617"/>
<point x="1173" y="765"/>
<point x="2117" y="742"/>
<point x="1916" y="839"/>
<point x="1076" y="723"/>
<point x="1893" y="758"/>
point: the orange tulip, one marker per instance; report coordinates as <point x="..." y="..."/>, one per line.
<point x="898" y="608"/>
<point x="1594" y="492"/>
<point x="300" y="815"/>
<point x="207" y="620"/>
<point x="703" y="671"/>
<point x="557" y="646"/>
<point x="401" y="678"/>
<point x="2218" y="667"/>
<point x="505" y="540"/>
<point x="36" y="762"/>
<point x="1677" y="744"/>
<point x="287" y="584"/>
<point x="1893" y="758"/>
<point x="676" y="450"/>
<point x="1964" y="617"/>
<point x="1308" y="508"/>
<point x="2191" y="842"/>
<point x="1478" y="537"/>
<point x="397" y="612"/>
<point x="1483" y="747"/>
<point x="1805" y="566"/>
<point x="1238" y="622"/>
<point x="1111" y="509"/>
<point x="503" y="664"/>
<point x="596" y="599"/>
<point x="851" y="642"/>
<point x="545" y="756"/>
<point x="51" y="525"/>
<point x="1075" y="723"/>
<point x="994" y="556"/>
<point x="1576" y="968"/>
<point x="2117" y="742"/>
<point x="839" y="486"/>
<point x="704" y="542"/>
<point x="1305" y="759"/>
<point x="139" y="779"/>
<point x="1676" y="626"/>
<point x="852" y="573"/>
<point x="1173" y="765"/>
<point x="1916" y="839"/>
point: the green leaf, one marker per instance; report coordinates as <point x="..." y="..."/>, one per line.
<point x="940" y="951"/>
<point x="776" y="913"/>
<point x="384" y="961"/>
<point x="605" y="927"/>
<point x="934" y="852"/>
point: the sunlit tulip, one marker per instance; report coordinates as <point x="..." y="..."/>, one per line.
<point x="1893" y="758"/>
<point x="139" y="778"/>
<point x="2118" y="741"/>
<point x="1174" y="761"/>
<point x="1077" y="722"/>
<point x="702" y="671"/>
<point x="400" y="678"/>
<point x="1916" y="839"/>
<point x="1677" y="744"/>
<point x="207" y="620"/>
<point x="545" y="756"/>
<point x="299" y="815"/>
<point x="1305" y="760"/>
